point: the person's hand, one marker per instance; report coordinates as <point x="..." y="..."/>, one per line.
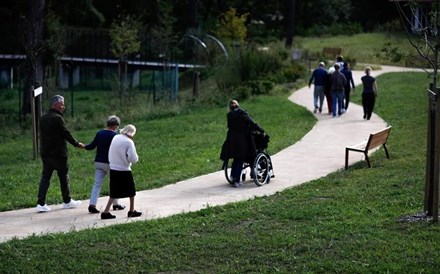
<point x="81" y="145"/>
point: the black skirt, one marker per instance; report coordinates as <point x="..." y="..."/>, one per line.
<point x="121" y="184"/>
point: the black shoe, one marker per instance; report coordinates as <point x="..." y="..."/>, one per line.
<point x="93" y="209"/>
<point x="118" y="207"/>
<point x="134" y="214"/>
<point x="108" y="215"/>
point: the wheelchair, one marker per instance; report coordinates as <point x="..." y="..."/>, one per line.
<point x="261" y="169"/>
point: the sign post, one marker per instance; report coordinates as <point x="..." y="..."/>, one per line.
<point x="36" y="114"/>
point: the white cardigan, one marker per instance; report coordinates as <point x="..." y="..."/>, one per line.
<point x="122" y="153"/>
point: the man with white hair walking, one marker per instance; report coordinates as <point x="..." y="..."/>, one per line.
<point x="319" y="77"/>
<point x="54" y="138"/>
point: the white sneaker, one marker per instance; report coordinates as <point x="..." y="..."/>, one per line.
<point x="71" y="204"/>
<point x="43" y="208"/>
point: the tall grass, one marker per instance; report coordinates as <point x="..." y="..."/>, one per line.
<point x="347" y="222"/>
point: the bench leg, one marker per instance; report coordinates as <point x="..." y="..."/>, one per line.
<point x="367" y="159"/>
<point x="346" y="158"/>
<point x="386" y="151"/>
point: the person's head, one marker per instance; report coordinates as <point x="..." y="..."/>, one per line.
<point x="336" y="66"/>
<point x="339" y="58"/>
<point x="128" y="130"/>
<point x="113" y="121"/>
<point x="57" y="103"/>
<point x="368" y="70"/>
<point x="233" y="104"/>
<point x="321" y="64"/>
<point x="346" y="65"/>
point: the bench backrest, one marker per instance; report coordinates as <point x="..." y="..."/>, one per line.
<point x="378" y="138"/>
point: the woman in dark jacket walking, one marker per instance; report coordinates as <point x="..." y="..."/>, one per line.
<point x="369" y="93"/>
<point x="239" y="144"/>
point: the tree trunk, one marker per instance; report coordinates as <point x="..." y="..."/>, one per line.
<point x="432" y="179"/>
<point x="33" y="29"/>
<point x="193" y="12"/>
<point x="290" y="27"/>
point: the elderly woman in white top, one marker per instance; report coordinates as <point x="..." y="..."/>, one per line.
<point x="122" y="154"/>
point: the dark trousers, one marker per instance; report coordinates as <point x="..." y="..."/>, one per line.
<point x="347" y="96"/>
<point x="328" y="97"/>
<point x="49" y="165"/>
<point x="368" y="101"/>
<point x="236" y="168"/>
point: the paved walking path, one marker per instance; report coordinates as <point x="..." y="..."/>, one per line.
<point x="320" y="152"/>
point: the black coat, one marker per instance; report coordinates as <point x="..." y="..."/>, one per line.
<point x="239" y="142"/>
<point x="55" y="135"/>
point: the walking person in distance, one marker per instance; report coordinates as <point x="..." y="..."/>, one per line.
<point x="319" y="77"/>
<point x="122" y="154"/>
<point x="369" y="93"/>
<point x="337" y="84"/>
<point x="54" y="154"/>
<point x="349" y="85"/>
<point x="101" y="142"/>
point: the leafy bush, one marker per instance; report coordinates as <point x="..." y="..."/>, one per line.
<point x="260" y="87"/>
<point x="288" y="74"/>
<point x="247" y="65"/>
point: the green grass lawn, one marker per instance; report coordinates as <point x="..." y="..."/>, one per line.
<point x="347" y="222"/>
<point x="363" y="47"/>
<point x="170" y="149"/>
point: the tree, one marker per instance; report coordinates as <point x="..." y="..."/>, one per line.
<point x="422" y="21"/>
<point x="34" y="46"/>
<point x="124" y="34"/>
<point x="290" y="23"/>
<point x="233" y="27"/>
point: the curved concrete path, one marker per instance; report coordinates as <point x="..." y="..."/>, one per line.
<point x="324" y="144"/>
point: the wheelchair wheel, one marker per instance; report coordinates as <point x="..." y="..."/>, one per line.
<point x="227" y="168"/>
<point x="261" y="169"/>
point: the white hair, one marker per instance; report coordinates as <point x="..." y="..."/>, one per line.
<point x="129" y="130"/>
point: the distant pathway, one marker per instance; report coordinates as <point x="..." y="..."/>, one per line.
<point x="318" y="153"/>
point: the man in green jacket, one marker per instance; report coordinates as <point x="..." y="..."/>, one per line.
<point x="54" y="138"/>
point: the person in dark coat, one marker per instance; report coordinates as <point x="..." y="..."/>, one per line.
<point x="54" y="154"/>
<point x="350" y="84"/>
<point x="337" y="84"/>
<point x="327" y="94"/>
<point x="369" y="93"/>
<point x="239" y="144"/>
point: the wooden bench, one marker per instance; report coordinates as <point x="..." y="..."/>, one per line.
<point x="331" y="52"/>
<point x="375" y="140"/>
